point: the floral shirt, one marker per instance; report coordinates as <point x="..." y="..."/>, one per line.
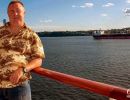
<point x="17" y="50"/>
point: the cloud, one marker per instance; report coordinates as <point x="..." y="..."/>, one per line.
<point x="89" y="5"/>
<point x="128" y="1"/>
<point x="108" y="5"/>
<point x="41" y="28"/>
<point x="74" y="6"/>
<point x="82" y="6"/>
<point x="126" y="11"/>
<point x="46" y="21"/>
<point x="85" y="5"/>
<point x="1" y="23"/>
<point x="104" y="15"/>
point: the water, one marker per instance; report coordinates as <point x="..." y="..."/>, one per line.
<point x="106" y="61"/>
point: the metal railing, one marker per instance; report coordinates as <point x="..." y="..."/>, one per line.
<point x="111" y="91"/>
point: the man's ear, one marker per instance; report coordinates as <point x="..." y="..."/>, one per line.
<point x="24" y="11"/>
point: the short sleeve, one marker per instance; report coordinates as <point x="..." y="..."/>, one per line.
<point x="37" y="50"/>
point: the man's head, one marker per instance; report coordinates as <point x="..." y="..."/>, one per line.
<point x="16" y="13"/>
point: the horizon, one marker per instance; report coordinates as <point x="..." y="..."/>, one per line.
<point x="72" y="15"/>
<point x="87" y="30"/>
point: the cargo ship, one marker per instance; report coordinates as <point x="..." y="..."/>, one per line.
<point x="102" y="35"/>
<point x="112" y="36"/>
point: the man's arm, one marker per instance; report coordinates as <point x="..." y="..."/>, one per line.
<point x="33" y="64"/>
<point x="14" y="78"/>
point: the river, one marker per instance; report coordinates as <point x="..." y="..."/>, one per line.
<point x="106" y="61"/>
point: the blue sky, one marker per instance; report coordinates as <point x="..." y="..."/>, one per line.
<point x="71" y="15"/>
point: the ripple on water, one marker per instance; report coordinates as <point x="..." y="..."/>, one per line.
<point x="104" y="61"/>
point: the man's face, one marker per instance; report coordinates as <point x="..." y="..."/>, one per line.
<point x="16" y="14"/>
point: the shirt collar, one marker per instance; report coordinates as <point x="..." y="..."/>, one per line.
<point x="8" y="24"/>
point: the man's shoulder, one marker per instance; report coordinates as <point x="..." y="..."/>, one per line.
<point x="5" y="27"/>
<point x="2" y="27"/>
<point x="31" y="31"/>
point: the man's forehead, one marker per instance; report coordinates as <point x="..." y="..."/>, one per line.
<point x="16" y="5"/>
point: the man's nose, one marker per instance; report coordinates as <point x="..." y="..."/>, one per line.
<point x="15" y="13"/>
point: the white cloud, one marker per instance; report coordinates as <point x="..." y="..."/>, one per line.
<point x="39" y="28"/>
<point x="104" y="15"/>
<point x="126" y="11"/>
<point x="82" y="6"/>
<point x="108" y="5"/>
<point x="85" y="5"/>
<point x="128" y="1"/>
<point x="1" y="23"/>
<point x="74" y="6"/>
<point x="89" y="4"/>
<point x="46" y="21"/>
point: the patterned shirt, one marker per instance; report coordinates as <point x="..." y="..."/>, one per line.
<point x="17" y="50"/>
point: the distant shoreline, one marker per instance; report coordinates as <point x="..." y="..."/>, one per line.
<point x="65" y="34"/>
<point x="81" y="33"/>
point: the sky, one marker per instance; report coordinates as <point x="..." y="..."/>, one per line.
<point x="73" y="15"/>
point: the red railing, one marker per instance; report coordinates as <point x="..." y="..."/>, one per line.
<point x="93" y="86"/>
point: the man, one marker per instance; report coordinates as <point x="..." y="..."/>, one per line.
<point x="21" y="51"/>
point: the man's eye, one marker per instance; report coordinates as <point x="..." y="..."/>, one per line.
<point x="12" y="11"/>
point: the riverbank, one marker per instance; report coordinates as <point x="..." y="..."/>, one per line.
<point x="65" y="33"/>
